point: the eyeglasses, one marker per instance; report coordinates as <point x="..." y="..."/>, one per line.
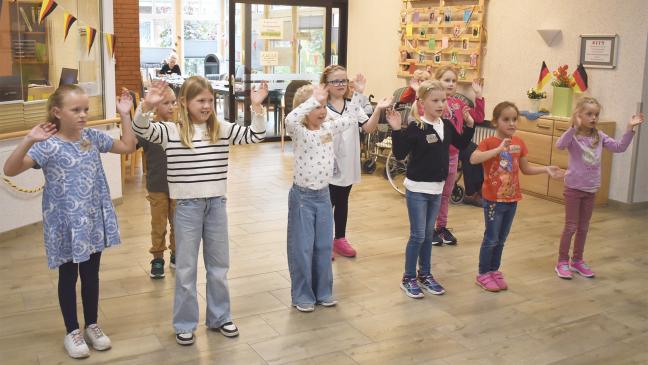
<point x="338" y="82"/>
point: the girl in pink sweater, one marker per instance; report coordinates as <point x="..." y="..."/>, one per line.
<point x="583" y="178"/>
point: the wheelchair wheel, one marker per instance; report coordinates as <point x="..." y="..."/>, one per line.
<point x="369" y="166"/>
<point x="457" y="195"/>
<point x="395" y="171"/>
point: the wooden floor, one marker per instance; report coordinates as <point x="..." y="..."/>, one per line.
<point x="540" y="320"/>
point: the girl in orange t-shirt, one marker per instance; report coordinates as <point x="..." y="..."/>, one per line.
<point x="503" y="156"/>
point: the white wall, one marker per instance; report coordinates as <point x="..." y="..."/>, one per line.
<point x="515" y="51"/>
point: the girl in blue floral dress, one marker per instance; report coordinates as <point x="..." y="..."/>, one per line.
<point x="79" y="220"/>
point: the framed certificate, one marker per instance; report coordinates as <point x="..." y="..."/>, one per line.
<point x="598" y="50"/>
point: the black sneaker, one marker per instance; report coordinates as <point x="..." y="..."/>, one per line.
<point x="436" y="240"/>
<point x="229" y="330"/>
<point x="157" y="269"/>
<point x="172" y="260"/>
<point x="185" y="339"/>
<point x="446" y="236"/>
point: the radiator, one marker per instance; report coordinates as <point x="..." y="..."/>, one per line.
<point x="481" y="133"/>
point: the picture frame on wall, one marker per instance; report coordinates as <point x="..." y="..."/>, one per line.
<point x="598" y="50"/>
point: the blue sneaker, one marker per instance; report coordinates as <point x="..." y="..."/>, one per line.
<point x="411" y="288"/>
<point x="428" y="283"/>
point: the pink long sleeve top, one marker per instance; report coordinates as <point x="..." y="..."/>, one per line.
<point x="456" y="106"/>
<point x="584" y="169"/>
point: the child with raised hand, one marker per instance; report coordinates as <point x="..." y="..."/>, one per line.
<point x="197" y="150"/>
<point x="455" y="111"/>
<point x="585" y="144"/>
<point x="310" y="215"/>
<point x="427" y="141"/>
<point x="157" y="187"/>
<point x="346" y="145"/>
<point x="79" y="220"/>
<point x="503" y="156"/>
<point x="409" y="95"/>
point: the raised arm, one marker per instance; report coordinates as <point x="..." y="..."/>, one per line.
<point x="153" y="132"/>
<point x="401" y="145"/>
<point x="624" y="142"/>
<point x="462" y="140"/>
<point x="478" y="156"/>
<point x="566" y="138"/>
<point x="372" y="123"/>
<point x="19" y="161"/>
<point x="478" y="112"/>
<point x="256" y="131"/>
<point x="127" y="142"/>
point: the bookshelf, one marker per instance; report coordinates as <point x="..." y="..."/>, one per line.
<point x="442" y="32"/>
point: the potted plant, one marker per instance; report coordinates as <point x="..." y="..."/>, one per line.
<point x="562" y="92"/>
<point x="534" y="97"/>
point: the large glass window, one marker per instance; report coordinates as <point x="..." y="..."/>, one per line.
<point x="156" y="23"/>
<point x="37" y="58"/>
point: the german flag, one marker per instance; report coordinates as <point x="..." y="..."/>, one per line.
<point x="90" y="37"/>
<point x="47" y="7"/>
<point x="544" y="77"/>
<point x="110" y="44"/>
<point x="580" y="79"/>
<point x="68" y="20"/>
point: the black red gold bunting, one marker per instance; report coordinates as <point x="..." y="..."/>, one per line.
<point x="68" y="20"/>
<point x="110" y="44"/>
<point x="90" y="37"/>
<point x="47" y="7"/>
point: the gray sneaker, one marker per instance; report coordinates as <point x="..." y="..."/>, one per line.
<point x="157" y="269"/>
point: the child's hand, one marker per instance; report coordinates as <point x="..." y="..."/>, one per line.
<point x="555" y="172"/>
<point x="477" y="86"/>
<point x="125" y="103"/>
<point x="470" y="122"/>
<point x="320" y="93"/>
<point x="415" y="84"/>
<point x="506" y="142"/>
<point x="636" y="120"/>
<point x="155" y="94"/>
<point x="384" y="103"/>
<point x="578" y="121"/>
<point x="41" y="132"/>
<point x="360" y="83"/>
<point x="258" y="95"/>
<point x="393" y="118"/>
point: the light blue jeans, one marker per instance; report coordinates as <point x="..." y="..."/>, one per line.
<point x="422" y="210"/>
<point x="310" y="245"/>
<point x="197" y="219"/>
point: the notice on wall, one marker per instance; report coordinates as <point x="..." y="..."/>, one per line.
<point x="269" y="58"/>
<point x="598" y="50"/>
<point x="271" y="29"/>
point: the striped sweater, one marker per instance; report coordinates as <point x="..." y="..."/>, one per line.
<point x="201" y="171"/>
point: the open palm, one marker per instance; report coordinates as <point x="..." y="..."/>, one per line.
<point x="125" y="102"/>
<point x="42" y="132"/>
<point x="394" y="119"/>
<point x="155" y="93"/>
<point x="258" y="95"/>
<point x="637" y="119"/>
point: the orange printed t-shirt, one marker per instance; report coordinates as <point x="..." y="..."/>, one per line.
<point x="501" y="173"/>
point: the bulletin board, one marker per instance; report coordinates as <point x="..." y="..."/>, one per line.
<point x="442" y="32"/>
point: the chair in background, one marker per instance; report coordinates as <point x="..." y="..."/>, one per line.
<point x="288" y="97"/>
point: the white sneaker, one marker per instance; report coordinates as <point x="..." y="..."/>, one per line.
<point x="75" y="345"/>
<point x="97" y="338"/>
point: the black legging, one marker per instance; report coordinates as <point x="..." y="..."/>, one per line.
<point x="473" y="175"/>
<point x="68" y="273"/>
<point x="340" y="202"/>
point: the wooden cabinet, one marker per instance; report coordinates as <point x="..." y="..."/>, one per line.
<point x="540" y="136"/>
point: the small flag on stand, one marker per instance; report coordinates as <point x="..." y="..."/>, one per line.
<point x="544" y="77"/>
<point x="68" y="20"/>
<point x="110" y="44"/>
<point x="90" y="37"/>
<point x="580" y="79"/>
<point x="47" y="7"/>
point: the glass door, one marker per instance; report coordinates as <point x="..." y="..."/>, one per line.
<point x="278" y="42"/>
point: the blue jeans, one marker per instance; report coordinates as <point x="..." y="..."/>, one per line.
<point x="498" y="218"/>
<point x="310" y="245"/>
<point x="422" y="210"/>
<point x="196" y="219"/>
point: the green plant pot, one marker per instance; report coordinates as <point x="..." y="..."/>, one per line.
<point x="561" y="105"/>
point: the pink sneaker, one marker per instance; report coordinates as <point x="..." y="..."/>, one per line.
<point x="562" y="269"/>
<point x="343" y="248"/>
<point x="487" y="282"/>
<point x="499" y="280"/>
<point x="582" y="268"/>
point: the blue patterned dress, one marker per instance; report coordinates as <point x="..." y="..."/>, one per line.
<point x="78" y="215"/>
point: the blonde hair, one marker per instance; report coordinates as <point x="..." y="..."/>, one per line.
<point x="56" y="101"/>
<point x="421" y="75"/>
<point x="168" y="92"/>
<point x="441" y="70"/>
<point x="423" y="91"/>
<point x="328" y="71"/>
<point x="190" y="89"/>
<point x="580" y="106"/>
<point x="499" y="109"/>
<point x="301" y="95"/>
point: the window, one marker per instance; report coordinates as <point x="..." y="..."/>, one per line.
<point x="156" y="23"/>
